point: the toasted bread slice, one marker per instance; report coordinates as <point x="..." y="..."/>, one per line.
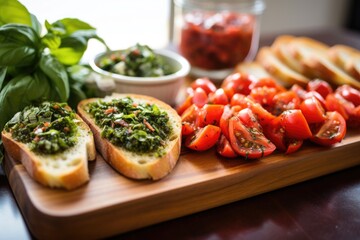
<point x="314" y="55"/>
<point x="252" y="68"/>
<point x="278" y="69"/>
<point x="68" y="169"/>
<point x="282" y="50"/>
<point x="131" y="164"/>
<point x="347" y="58"/>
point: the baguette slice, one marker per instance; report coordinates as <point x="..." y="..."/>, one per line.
<point x="281" y="48"/>
<point x="347" y="58"/>
<point x="68" y="169"/>
<point x="130" y="164"/>
<point x="314" y="55"/>
<point x="278" y="69"/>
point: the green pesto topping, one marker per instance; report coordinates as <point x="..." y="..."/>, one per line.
<point x="140" y="128"/>
<point x="48" y="128"/>
<point x="136" y="61"/>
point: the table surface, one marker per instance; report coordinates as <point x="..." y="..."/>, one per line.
<point x="323" y="208"/>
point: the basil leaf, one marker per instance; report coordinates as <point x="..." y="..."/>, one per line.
<point x="2" y="76"/>
<point x="18" y="45"/>
<point x="12" y="11"/>
<point x="57" y="75"/>
<point x="36" y="24"/>
<point x="78" y="73"/>
<point x="51" y="41"/>
<point x="89" y="34"/>
<point x="12" y="97"/>
<point x="72" y="25"/>
<point x="71" y="50"/>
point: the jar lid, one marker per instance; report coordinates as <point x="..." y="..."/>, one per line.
<point x="247" y="6"/>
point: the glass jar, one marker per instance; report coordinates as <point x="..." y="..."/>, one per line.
<point x="216" y="35"/>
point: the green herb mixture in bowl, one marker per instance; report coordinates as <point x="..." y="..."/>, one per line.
<point x="141" y="70"/>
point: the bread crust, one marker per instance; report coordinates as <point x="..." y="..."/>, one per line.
<point x="70" y="179"/>
<point x="119" y="158"/>
<point x="347" y="58"/>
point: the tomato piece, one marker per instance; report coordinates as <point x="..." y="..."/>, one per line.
<point x="285" y="101"/>
<point x="320" y="86"/>
<point x="354" y="118"/>
<point x="205" y="84"/>
<point x="200" y="97"/>
<point x="240" y="100"/>
<point x="335" y="102"/>
<point x="312" y="110"/>
<point x="190" y="114"/>
<point x="267" y="82"/>
<point x="349" y="93"/>
<point x="187" y="128"/>
<point x="224" y="148"/>
<point x="293" y="145"/>
<point x="262" y="115"/>
<point x="332" y="131"/>
<point x="276" y="134"/>
<point x="219" y="97"/>
<point x="300" y="92"/>
<point x="295" y="124"/>
<point x="185" y="105"/>
<point x="317" y="96"/>
<point x="210" y="114"/>
<point x="263" y="95"/>
<point x="248" y="118"/>
<point x="238" y="82"/>
<point x="204" y="138"/>
<point x="248" y="142"/>
<point x="225" y="117"/>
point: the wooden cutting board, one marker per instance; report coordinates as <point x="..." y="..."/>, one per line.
<point x="111" y="204"/>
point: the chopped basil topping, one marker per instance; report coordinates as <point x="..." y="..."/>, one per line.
<point x="136" y="61"/>
<point x="140" y="128"/>
<point x="48" y="128"/>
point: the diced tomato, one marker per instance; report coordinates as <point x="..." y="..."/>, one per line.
<point x="187" y="128"/>
<point x="190" y="114"/>
<point x="275" y="132"/>
<point x="209" y="114"/>
<point x="262" y="115"/>
<point x="224" y="148"/>
<point x="285" y="101"/>
<point x="219" y="97"/>
<point x="295" y="124"/>
<point x="185" y="105"/>
<point x="267" y="82"/>
<point x="349" y="93"/>
<point x="204" y="138"/>
<point x="354" y="118"/>
<point x="317" y="96"/>
<point x="205" y="84"/>
<point x="200" y="97"/>
<point x="248" y="142"/>
<point x="293" y="145"/>
<point x="300" y="92"/>
<point x="331" y="131"/>
<point x="224" y="120"/>
<point x="263" y="96"/>
<point x="248" y="118"/>
<point x="312" y="110"/>
<point x="334" y="102"/>
<point x="239" y="83"/>
<point x="240" y="100"/>
<point x="320" y="86"/>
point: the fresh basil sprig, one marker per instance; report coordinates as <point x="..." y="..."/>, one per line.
<point x="36" y="67"/>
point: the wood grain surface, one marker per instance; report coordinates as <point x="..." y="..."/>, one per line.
<point x="110" y="203"/>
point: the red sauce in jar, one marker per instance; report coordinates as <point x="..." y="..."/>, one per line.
<point x="216" y="41"/>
